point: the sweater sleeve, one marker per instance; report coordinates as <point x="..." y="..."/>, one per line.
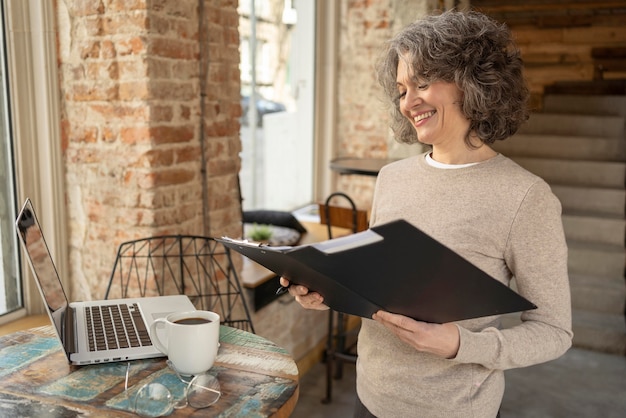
<point x="536" y="254"/>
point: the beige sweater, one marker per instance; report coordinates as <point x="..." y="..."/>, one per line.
<point x="506" y="221"/>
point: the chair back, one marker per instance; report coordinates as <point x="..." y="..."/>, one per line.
<point x="339" y="345"/>
<point x="340" y="216"/>
<point x="196" y="266"/>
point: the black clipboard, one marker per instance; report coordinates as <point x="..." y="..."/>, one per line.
<point x="395" y="267"/>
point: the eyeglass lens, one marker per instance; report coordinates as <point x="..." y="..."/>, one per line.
<point x="155" y="399"/>
<point x="203" y="391"/>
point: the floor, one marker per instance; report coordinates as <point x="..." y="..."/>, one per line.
<point x="581" y="384"/>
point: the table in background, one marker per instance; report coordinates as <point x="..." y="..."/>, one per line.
<point x="363" y="166"/>
<point x="257" y="378"/>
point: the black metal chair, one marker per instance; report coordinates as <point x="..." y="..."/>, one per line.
<point x="196" y="266"/>
<point x="341" y="342"/>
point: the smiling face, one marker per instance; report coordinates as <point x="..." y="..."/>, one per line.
<point x="433" y="109"/>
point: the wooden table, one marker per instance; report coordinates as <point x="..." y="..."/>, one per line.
<point x="362" y="166"/>
<point x="257" y="378"/>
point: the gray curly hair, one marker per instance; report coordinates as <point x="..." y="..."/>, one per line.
<point x="474" y="52"/>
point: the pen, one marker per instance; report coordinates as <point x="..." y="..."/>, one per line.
<point x="282" y="289"/>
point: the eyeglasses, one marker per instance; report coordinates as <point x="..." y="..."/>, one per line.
<point x="154" y="399"/>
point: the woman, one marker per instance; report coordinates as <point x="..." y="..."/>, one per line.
<point x="454" y="82"/>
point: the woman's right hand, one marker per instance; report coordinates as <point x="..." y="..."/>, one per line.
<point x="308" y="300"/>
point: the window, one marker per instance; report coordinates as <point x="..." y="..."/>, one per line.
<point x="35" y="134"/>
<point x="10" y="283"/>
<point x="278" y="71"/>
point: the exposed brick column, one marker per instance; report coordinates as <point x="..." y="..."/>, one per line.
<point x="222" y="109"/>
<point x="132" y="93"/>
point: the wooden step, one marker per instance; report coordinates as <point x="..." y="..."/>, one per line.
<point x="590" y="105"/>
<point x="574" y="125"/>
<point x="599" y="331"/>
<point x="595" y="294"/>
<point x="592" y="201"/>
<point x="593" y="229"/>
<point x="563" y="147"/>
<point x="601" y="174"/>
<point x="596" y="259"/>
<point x="585" y="88"/>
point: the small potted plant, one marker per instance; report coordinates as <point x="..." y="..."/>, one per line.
<point x="260" y="233"/>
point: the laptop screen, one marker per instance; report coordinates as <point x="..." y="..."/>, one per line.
<point x="43" y="268"/>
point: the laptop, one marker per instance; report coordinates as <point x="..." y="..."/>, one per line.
<point x="95" y="331"/>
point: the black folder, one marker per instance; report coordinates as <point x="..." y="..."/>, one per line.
<point x="393" y="267"/>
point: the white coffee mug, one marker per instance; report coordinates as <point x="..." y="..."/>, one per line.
<point x="191" y="340"/>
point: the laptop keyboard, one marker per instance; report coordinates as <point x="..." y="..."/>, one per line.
<point x="115" y="326"/>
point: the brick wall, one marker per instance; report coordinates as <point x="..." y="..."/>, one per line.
<point x="150" y="103"/>
<point x="362" y="126"/>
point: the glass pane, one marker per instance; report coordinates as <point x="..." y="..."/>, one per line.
<point x="277" y="137"/>
<point x="10" y="284"/>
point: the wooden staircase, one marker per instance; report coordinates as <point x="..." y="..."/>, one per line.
<point x="578" y="145"/>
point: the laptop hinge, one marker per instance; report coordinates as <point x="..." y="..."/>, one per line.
<point x="69" y="332"/>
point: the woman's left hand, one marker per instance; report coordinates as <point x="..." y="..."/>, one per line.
<point x="440" y="339"/>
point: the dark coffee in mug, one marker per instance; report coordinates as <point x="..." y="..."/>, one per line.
<point x="192" y="321"/>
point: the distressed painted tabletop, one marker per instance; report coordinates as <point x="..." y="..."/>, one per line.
<point x="257" y="378"/>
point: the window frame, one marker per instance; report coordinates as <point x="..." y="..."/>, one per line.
<point x="327" y="32"/>
<point x="33" y="82"/>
